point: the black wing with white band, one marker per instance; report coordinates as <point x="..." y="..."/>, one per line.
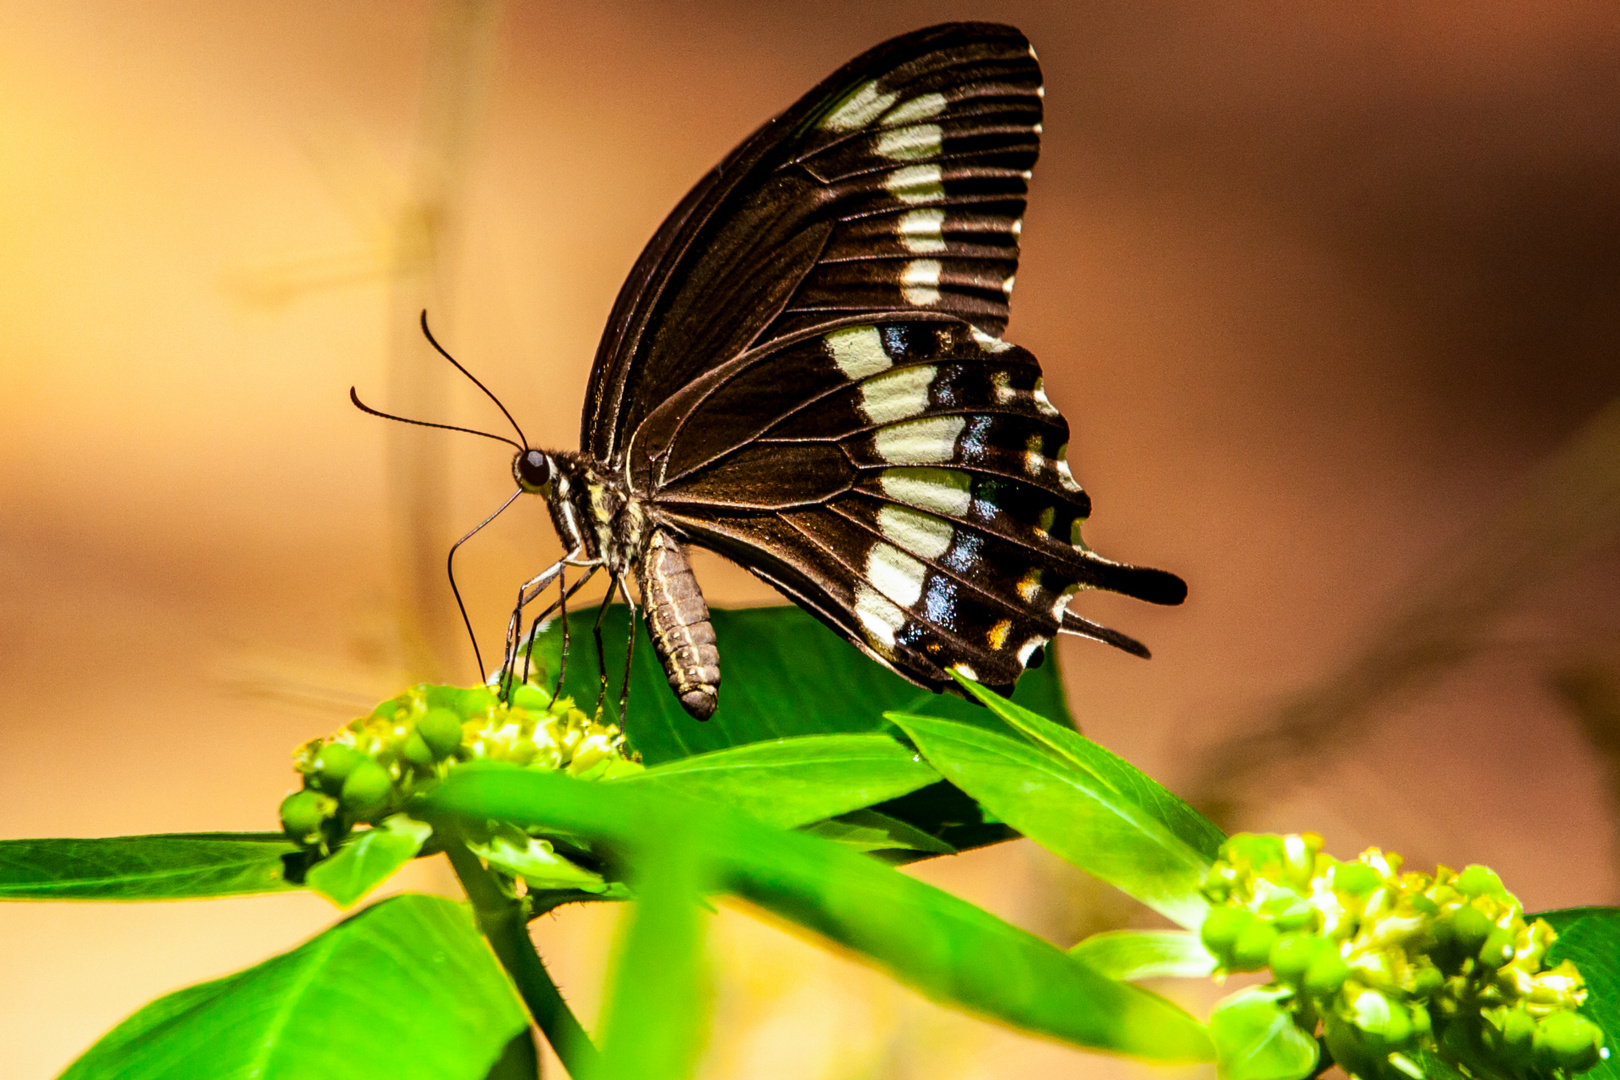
<point x="897" y="184"/>
<point x="905" y="479"/>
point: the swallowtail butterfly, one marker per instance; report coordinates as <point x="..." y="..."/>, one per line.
<point x="805" y="373"/>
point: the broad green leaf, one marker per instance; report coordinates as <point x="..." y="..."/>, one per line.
<point x="1146" y="954"/>
<point x="788" y="782"/>
<point x="1197" y="831"/>
<point x="173" y="866"/>
<point x="519" y="1061"/>
<point x="868" y="830"/>
<point x="367" y="859"/>
<point x="1069" y="811"/>
<point x="533" y="859"/>
<point x="656" y="1013"/>
<point x="1591" y="938"/>
<point x="949" y="813"/>
<point x="1256" y="1039"/>
<point x="784" y="674"/>
<point x="406" y="988"/>
<point x="934" y="942"/>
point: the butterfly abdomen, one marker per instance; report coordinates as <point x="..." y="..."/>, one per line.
<point x="678" y="620"/>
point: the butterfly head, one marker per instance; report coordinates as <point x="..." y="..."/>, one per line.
<point x="533" y="470"/>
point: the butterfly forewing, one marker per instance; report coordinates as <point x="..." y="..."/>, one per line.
<point x="899" y="183"/>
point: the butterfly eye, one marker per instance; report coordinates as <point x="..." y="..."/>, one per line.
<point x="532" y="469"/>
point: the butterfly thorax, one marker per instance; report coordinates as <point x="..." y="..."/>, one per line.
<point x="593" y="510"/>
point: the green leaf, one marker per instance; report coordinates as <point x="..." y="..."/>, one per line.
<point x="788" y="782"/>
<point x="1195" y="830"/>
<point x="656" y="1012"/>
<point x="868" y="830"/>
<point x="173" y="866"/>
<point x="369" y="858"/>
<point x="934" y="942"/>
<point x="1256" y="1038"/>
<point x="785" y="674"/>
<point x="945" y="811"/>
<point x="519" y="855"/>
<point x="1590" y="937"/>
<point x="1145" y="954"/>
<point x="406" y="988"/>
<point x="519" y="1061"/>
<point x="1069" y="811"/>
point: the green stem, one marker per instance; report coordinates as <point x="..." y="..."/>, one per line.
<point x="501" y="918"/>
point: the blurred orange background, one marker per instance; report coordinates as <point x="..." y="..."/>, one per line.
<point x="1322" y="289"/>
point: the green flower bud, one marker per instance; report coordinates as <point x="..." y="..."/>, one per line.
<point x="474" y="701"/>
<point x="1498" y="947"/>
<point x="415" y="750"/>
<point x="1422" y="1024"/>
<point x="1356" y="879"/>
<point x="441" y="697"/>
<point x="1257" y="850"/>
<point x="1291" y="955"/>
<point x="1427" y="981"/>
<point x="1513" y="1040"/>
<point x="1299" y="915"/>
<point x="441" y="730"/>
<point x="1479" y="881"/>
<point x="531" y="697"/>
<point x="1567" y="1040"/>
<point x="1221" y="928"/>
<point x="1326" y="974"/>
<point x="334" y="763"/>
<point x="304" y="812"/>
<point x="1467" y="928"/>
<point x="367" y="788"/>
<point x="1386" y="1025"/>
<point x="390" y="709"/>
<point x="1252" y="948"/>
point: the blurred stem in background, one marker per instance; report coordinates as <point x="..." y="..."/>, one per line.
<point x="1568" y="511"/>
<point x="411" y="234"/>
<point x="455" y="86"/>
<point x="1592" y="693"/>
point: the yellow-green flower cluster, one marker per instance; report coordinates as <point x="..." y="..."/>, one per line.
<point x="1395" y="964"/>
<point x="368" y="769"/>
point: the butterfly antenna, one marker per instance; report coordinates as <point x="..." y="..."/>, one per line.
<point x="450" y="567"/>
<point x="487" y="392"/>
<point x="354" y="396"/>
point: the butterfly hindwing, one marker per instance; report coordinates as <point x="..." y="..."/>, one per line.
<point x="898" y="183"/>
<point x="904" y="479"/>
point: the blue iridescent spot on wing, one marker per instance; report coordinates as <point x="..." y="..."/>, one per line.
<point x="940" y="602"/>
<point x="964" y="553"/>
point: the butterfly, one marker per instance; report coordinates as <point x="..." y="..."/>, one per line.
<point x="805" y="373"/>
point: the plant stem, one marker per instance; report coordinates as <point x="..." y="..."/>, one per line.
<point x="501" y="918"/>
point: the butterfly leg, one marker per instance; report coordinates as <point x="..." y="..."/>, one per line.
<point x="601" y="654"/>
<point x="629" y="653"/>
<point x="528" y="646"/>
<point x="562" y="609"/>
<point x="528" y="592"/>
<point x="560" y="606"/>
